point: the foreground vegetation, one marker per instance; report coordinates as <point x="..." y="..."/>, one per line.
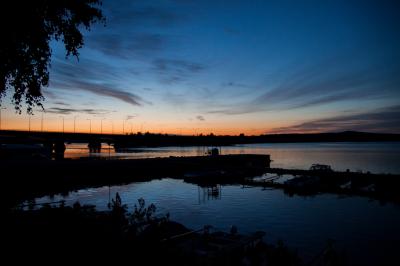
<point x="81" y="233"/>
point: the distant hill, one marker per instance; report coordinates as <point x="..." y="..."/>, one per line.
<point x="346" y="136"/>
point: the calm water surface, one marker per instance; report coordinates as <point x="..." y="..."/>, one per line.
<point x="367" y="230"/>
<point x="376" y="157"/>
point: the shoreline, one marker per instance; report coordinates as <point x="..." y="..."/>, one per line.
<point x="146" y="139"/>
<point x="29" y="179"/>
<point x="142" y="234"/>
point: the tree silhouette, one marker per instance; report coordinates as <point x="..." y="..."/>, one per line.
<point x="27" y="28"/>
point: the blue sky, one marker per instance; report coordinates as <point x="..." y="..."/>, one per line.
<point x="233" y="66"/>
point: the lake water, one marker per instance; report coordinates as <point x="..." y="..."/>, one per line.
<point x="376" y="157"/>
<point x="367" y="230"/>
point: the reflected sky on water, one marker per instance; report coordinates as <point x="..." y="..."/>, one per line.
<point x="367" y="230"/>
<point x="376" y="157"/>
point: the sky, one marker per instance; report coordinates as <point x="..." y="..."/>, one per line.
<point x="227" y="67"/>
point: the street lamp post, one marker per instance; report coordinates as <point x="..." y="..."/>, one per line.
<point x="101" y="125"/>
<point x="62" y="124"/>
<point x="41" y="122"/>
<point x="29" y="124"/>
<point x="75" y="122"/>
<point x="90" y="125"/>
<point x="1" y="108"/>
<point x="123" y="127"/>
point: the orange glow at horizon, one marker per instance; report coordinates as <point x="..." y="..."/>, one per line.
<point x="118" y="126"/>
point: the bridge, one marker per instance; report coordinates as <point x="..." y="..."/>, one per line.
<point x="14" y="136"/>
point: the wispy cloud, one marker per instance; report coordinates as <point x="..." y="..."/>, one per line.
<point x="177" y="65"/>
<point x="318" y="84"/>
<point x="155" y="15"/>
<point x="49" y="94"/>
<point x="235" y="84"/>
<point x="312" y="87"/>
<point x="127" y="47"/>
<point x="102" y="90"/>
<point x="175" y="99"/>
<point x="385" y="120"/>
<point x="130" y="117"/>
<point x="135" y="14"/>
<point x="135" y="29"/>
<point x="62" y="103"/>
<point x="238" y="110"/>
<point x="95" y="78"/>
<point x="105" y="90"/>
<point x="200" y="118"/>
<point x="67" y="111"/>
<point x="174" y="70"/>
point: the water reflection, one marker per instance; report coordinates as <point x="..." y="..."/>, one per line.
<point x="206" y="193"/>
<point x="356" y="224"/>
<point x="383" y="157"/>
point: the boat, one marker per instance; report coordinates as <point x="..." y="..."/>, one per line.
<point x="321" y="168"/>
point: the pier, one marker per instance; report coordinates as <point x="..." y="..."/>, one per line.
<point x="32" y="178"/>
